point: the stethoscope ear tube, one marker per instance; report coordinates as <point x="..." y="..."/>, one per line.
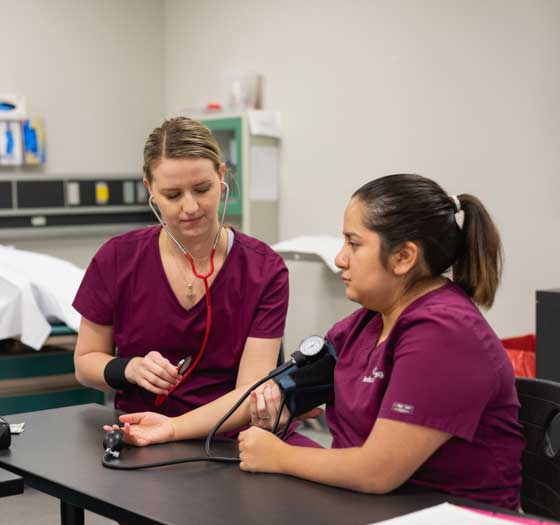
<point x="160" y="399"/>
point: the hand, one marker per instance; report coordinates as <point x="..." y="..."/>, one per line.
<point x="153" y="372"/>
<point x="264" y="405"/>
<point x="260" y="451"/>
<point x="145" y="428"/>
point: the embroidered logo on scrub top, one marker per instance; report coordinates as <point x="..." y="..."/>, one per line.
<point x="403" y="408"/>
<point x="373" y="376"/>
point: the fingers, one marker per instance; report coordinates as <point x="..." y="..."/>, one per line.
<point x="253" y="409"/>
<point x="264" y="405"/>
<point x="248" y="449"/>
<point x="154" y="383"/>
<point x="134" y="435"/>
<point x="154" y="373"/>
<point x="162" y="367"/>
<point x="262" y="412"/>
<point x="132" y="429"/>
<point x="155" y="390"/>
<point x="132" y="419"/>
<point x="272" y="403"/>
<point x="256" y="402"/>
<point x="273" y="397"/>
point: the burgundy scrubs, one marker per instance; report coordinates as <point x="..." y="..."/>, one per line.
<point x="441" y="367"/>
<point x="125" y="286"/>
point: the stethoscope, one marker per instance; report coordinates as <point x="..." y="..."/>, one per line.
<point x="184" y="366"/>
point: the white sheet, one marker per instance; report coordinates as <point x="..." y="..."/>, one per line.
<point x="36" y="288"/>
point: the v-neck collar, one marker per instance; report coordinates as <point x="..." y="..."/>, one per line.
<point x="199" y="304"/>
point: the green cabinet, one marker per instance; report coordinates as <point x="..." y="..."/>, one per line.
<point x="228" y="133"/>
<point x="254" y="216"/>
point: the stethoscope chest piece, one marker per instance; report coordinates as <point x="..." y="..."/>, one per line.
<point x="183" y="365"/>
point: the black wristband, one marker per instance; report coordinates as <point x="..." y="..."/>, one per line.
<point x="114" y="373"/>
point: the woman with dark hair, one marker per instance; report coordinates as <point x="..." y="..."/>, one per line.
<point x="424" y="391"/>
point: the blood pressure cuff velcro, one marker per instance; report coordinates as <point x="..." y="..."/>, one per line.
<point x="309" y="386"/>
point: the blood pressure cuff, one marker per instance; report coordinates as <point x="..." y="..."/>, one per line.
<point x="310" y="385"/>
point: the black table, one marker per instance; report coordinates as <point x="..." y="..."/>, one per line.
<point x="60" y="454"/>
<point x="10" y="484"/>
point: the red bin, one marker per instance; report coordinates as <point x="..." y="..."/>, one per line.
<point x="522" y="354"/>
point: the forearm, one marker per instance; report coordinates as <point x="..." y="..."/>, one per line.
<point x="198" y="423"/>
<point x="343" y="467"/>
<point x="89" y="369"/>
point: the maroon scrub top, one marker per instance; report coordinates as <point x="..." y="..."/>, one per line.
<point x="441" y="367"/>
<point x="125" y="286"/>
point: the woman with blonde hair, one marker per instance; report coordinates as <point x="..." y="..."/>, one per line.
<point x="141" y="294"/>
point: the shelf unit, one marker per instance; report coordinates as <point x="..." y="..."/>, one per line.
<point x="38" y="203"/>
<point x="254" y="217"/>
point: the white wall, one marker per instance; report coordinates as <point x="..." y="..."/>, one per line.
<point x="94" y="71"/>
<point x="464" y="92"/>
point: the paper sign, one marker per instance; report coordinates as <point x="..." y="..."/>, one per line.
<point x="264" y="173"/>
<point x="265" y="123"/>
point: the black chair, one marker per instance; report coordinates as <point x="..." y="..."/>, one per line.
<point x="540" y="417"/>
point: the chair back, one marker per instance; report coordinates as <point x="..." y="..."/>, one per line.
<point x="540" y="417"/>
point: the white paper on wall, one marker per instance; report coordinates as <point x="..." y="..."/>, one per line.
<point x="265" y="123"/>
<point x="264" y="173"/>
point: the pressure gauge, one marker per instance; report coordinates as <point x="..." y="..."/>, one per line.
<point x="311" y="345"/>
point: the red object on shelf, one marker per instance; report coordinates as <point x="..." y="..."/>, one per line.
<point x="213" y="106"/>
<point x="522" y="354"/>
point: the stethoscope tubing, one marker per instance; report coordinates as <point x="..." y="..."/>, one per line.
<point x="160" y="399"/>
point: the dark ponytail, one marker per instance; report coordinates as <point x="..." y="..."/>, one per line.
<point x="404" y="207"/>
<point x="478" y="269"/>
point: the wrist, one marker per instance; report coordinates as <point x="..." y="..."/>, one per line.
<point x="282" y="456"/>
<point x="175" y="431"/>
<point x="130" y="370"/>
<point x="114" y="373"/>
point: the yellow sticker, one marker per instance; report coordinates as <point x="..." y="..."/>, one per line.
<point x="101" y="193"/>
